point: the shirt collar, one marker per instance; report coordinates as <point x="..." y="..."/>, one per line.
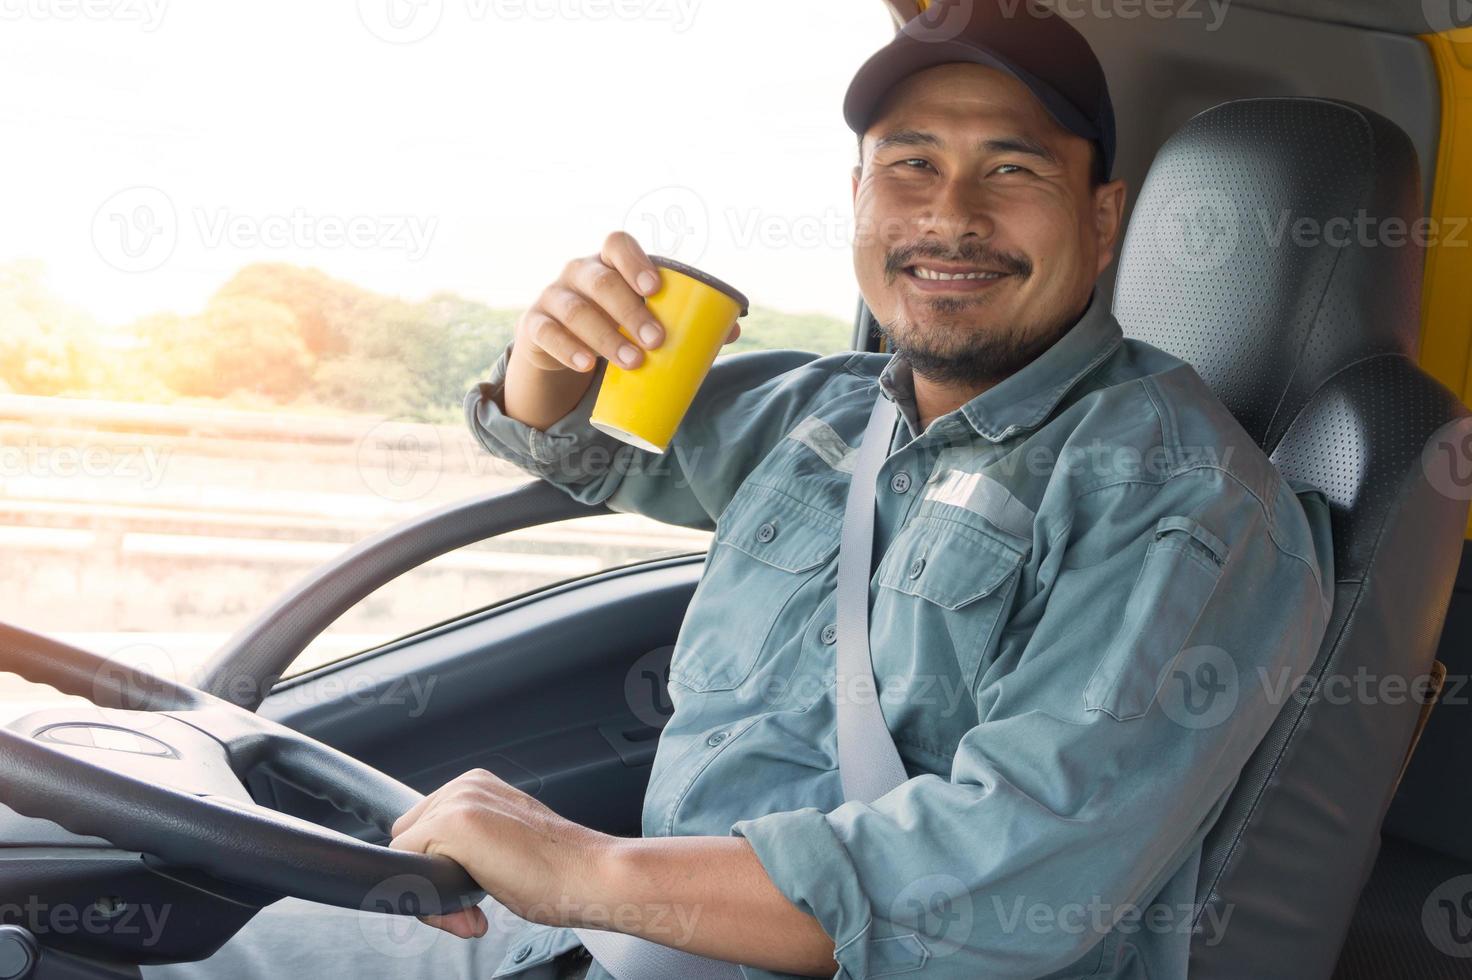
<point x="1025" y="398"/>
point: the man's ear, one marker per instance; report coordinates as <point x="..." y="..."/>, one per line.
<point x="1108" y="219"/>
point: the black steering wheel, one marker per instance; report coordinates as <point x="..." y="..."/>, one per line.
<point x="159" y="767"/>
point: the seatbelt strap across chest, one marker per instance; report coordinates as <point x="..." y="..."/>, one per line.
<point x="868" y="762"/>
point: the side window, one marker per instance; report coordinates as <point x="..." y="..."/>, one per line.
<point x="239" y="315"/>
<point x="397" y="458"/>
<point x="487" y="573"/>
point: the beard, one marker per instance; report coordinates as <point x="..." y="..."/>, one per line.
<point x="951" y="349"/>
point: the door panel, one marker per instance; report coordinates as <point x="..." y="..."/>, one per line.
<point x="560" y="693"/>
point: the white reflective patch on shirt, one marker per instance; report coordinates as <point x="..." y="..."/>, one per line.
<point x="819" y="436"/>
<point x="982" y="495"/>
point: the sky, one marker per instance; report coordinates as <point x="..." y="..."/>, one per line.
<point x="411" y="146"/>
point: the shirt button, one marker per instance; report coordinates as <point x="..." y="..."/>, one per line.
<point x="521" y="953"/>
<point x="900" y="483"/>
<point x="766" y="532"/>
<point x="916" y="567"/>
<point x="829" y="634"/>
<point x="717" y="739"/>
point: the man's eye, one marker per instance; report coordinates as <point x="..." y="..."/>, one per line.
<point x="914" y="163"/>
<point x="1016" y="167"/>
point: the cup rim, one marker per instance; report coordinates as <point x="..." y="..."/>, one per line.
<point x="705" y="277"/>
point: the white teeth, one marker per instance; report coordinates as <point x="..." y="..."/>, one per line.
<point x="925" y="273"/>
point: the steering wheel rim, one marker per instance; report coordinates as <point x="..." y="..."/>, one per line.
<point x="230" y="839"/>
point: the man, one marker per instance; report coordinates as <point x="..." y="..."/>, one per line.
<point x="1084" y="567"/>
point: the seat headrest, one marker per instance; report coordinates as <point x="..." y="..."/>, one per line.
<point x="1275" y="241"/>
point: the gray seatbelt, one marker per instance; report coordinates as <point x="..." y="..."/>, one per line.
<point x="868" y="763"/>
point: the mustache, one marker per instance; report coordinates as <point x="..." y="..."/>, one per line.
<point x="972" y="253"/>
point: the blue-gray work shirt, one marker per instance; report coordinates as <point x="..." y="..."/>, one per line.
<point x="1092" y="593"/>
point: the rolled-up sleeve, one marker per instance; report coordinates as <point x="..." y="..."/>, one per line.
<point x="747" y="402"/>
<point x="1108" y="737"/>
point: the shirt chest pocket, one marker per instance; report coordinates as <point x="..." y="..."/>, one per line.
<point x="945" y="587"/>
<point x="767" y="547"/>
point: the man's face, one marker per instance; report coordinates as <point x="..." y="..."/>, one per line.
<point x="964" y="171"/>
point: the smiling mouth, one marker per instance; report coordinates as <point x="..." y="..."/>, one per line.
<point x="959" y="277"/>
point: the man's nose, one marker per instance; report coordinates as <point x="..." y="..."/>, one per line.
<point x="959" y="208"/>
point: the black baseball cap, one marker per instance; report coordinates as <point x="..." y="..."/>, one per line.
<point x="1023" y="38"/>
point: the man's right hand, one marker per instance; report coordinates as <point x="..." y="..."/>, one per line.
<point x="574" y="322"/>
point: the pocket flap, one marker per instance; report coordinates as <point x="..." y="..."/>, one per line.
<point x="1213" y="544"/>
<point x="1182" y="566"/>
<point x="779" y="529"/>
<point x="947" y="562"/>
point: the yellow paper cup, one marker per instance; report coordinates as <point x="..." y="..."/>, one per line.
<point x="644" y="406"/>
